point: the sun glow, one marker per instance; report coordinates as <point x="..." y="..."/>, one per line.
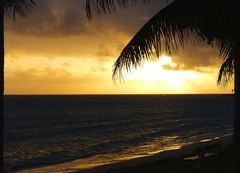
<point x="154" y="72"/>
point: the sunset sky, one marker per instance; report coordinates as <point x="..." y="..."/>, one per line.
<point x="56" y="50"/>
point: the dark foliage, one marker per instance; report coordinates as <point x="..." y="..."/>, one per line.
<point x="14" y="8"/>
<point x="180" y="23"/>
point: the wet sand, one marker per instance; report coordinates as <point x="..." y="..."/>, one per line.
<point x="218" y="156"/>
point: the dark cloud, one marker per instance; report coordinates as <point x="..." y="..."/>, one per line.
<point x="195" y="58"/>
<point x="60" y="18"/>
<point x="131" y="19"/>
<point x="51" y="18"/>
<point x="67" y="17"/>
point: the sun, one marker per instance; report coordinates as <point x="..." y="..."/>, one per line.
<point x="151" y="70"/>
<point x="154" y="71"/>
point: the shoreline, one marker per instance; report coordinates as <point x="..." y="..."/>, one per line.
<point x="78" y="166"/>
<point x="186" y="152"/>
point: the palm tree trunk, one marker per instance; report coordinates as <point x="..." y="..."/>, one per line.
<point x="236" y="135"/>
<point x="1" y="82"/>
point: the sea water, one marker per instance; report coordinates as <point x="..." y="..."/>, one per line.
<point x="41" y="131"/>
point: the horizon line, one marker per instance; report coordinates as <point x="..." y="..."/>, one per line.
<point x="114" y="94"/>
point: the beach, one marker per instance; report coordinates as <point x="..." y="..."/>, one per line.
<point x="104" y="86"/>
<point x="217" y="159"/>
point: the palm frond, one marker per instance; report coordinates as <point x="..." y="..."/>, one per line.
<point x="180" y="23"/>
<point x="226" y="72"/>
<point x="14" y="8"/>
<point x="107" y="6"/>
<point x="165" y="32"/>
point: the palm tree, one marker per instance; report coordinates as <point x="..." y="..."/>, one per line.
<point x="180" y="23"/>
<point x="12" y="9"/>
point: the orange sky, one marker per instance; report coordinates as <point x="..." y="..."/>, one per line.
<point x="57" y="51"/>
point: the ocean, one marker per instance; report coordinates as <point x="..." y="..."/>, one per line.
<point x="91" y="130"/>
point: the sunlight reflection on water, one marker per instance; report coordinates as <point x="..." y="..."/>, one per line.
<point x="148" y="149"/>
<point x="87" y="131"/>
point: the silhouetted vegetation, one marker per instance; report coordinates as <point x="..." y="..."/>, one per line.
<point x="181" y="23"/>
<point x="12" y="9"/>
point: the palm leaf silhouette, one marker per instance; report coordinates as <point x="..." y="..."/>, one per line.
<point x="14" y="8"/>
<point x="180" y="23"/>
<point x="107" y="6"/>
<point x="171" y="28"/>
<point x="186" y="22"/>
